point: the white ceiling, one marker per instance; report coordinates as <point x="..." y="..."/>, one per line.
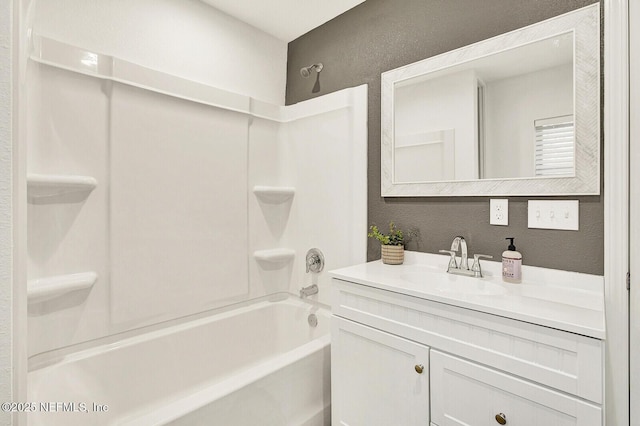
<point x="284" y="19"/>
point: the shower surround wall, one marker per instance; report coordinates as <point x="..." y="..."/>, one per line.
<point x="377" y="36"/>
<point x="318" y="149"/>
<point x="173" y="226"/>
<point x="185" y="38"/>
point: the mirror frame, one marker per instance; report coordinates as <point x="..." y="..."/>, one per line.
<point x="585" y="25"/>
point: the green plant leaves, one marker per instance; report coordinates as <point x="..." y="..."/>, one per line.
<point x="395" y="237"/>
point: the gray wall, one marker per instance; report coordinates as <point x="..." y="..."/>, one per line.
<point x="379" y="35"/>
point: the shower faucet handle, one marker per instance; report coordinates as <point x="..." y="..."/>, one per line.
<point x="312" y="261"/>
<point x="315" y="260"/>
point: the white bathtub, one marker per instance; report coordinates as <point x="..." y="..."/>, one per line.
<point x="261" y="364"/>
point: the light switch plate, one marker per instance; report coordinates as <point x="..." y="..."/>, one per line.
<point x="499" y="211"/>
<point x="554" y="214"/>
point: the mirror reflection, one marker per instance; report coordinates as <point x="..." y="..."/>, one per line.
<point x="505" y="115"/>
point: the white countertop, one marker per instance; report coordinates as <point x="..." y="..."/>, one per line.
<point x="568" y="301"/>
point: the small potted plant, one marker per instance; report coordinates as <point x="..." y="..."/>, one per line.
<point x="392" y="244"/>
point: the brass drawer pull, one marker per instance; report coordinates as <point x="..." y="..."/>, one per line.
<point x="501" y="418"/>
<point x="419" y="368"/>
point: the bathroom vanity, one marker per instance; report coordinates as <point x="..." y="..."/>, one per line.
<point x="413" y="345"/>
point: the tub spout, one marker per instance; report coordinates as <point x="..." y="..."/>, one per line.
<point x="308" y="291"/>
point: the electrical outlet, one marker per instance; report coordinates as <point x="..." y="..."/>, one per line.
<point x="499" y="211"/>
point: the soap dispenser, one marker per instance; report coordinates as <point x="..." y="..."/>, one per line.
<point x="511" y="263"/>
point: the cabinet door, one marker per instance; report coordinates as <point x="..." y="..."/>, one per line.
<point x="377" y="378"/>
<point x="466" y="393"/>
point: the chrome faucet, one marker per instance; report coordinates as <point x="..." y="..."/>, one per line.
<point x="459" y="243"/>
<point x="308" y="291"/>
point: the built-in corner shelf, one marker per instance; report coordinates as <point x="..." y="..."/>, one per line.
<point x="274" y="194"/>
<point x="46" y="186"/>
<point x="43" y="289"/>
<point x="274" y="257"/>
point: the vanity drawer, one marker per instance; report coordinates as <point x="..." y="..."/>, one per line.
<point x="465" y="393"/>
<point x="565" y="361"/>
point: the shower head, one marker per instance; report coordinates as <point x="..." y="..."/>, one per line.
<point x="306" y="71"/>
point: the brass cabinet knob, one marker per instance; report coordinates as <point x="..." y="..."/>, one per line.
<point x="501" y="418"/>
<point x="419" y="368"/>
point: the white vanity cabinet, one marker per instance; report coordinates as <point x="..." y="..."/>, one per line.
<point x="467" y="393"/>
<point x="377" y="378"/>
<point x="476" y="368"/>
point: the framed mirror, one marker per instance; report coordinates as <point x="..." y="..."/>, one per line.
<point x="517" y="114"/>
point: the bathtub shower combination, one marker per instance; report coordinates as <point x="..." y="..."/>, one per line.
<point x="168" y="223"/>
